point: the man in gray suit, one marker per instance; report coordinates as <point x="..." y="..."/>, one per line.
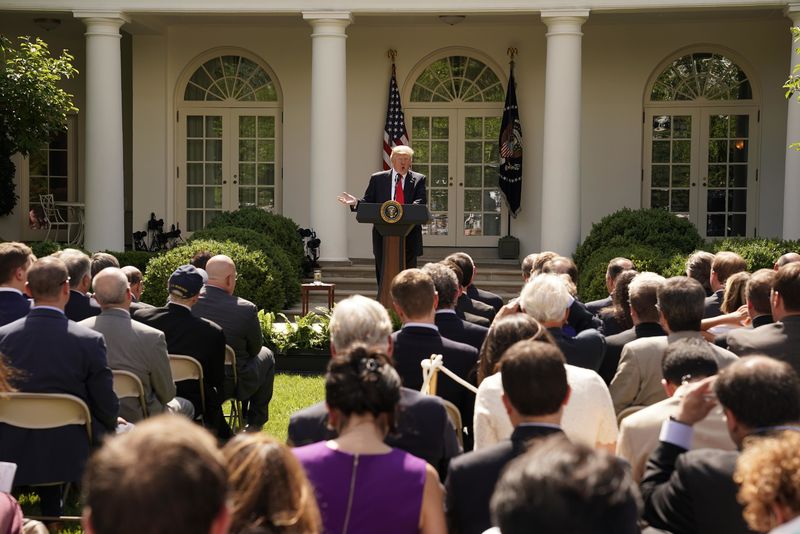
<point x="238" y="318"/>
<point x="135" y="347"/>
<point x="780" y="339"/>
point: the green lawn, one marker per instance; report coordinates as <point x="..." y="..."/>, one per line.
<point x="291" y="393"/>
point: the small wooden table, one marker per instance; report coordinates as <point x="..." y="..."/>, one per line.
<point x="305" y="289"/>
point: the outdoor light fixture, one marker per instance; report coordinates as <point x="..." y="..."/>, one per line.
<point x="47" y="24"/>
<point x="452" y="20"/>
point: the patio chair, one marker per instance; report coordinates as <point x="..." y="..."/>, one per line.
<point x="187" y="368"/>
<point x="126" y="385"/>
<point x="53" y="218"/>
<point x="235" y="414"/>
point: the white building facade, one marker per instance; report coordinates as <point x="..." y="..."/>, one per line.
<point x="189" y="108"/>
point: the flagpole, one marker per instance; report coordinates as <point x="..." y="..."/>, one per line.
<point x="511" y="53"/>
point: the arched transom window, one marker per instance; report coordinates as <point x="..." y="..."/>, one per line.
<point x="457" y="79"/>
<point x="701" y="75"/>
<point x="230" y="78"/>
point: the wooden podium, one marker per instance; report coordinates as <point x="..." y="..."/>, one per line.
<point x="394" y="222"/>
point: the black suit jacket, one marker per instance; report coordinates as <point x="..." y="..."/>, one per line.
<point x="596" y="305"/>
<point x="456" y="329"/>
<point x="615" y="343"/>
<point x="487" y="297"/>
<point x="580" y="318"/>
<point x="721" y="340"/>
<point x="13" y="306"/>
<point x="692" y="492"/>
<point x="473" y="476"/>
<point x="584" y="350"/>
<point x="780" y="340"/>
<point x="422" y="428"/>
<point x="713" y="303"/>
<point x="56" y="355"/>
<point x="80" y="307"/>
<point x="199" y="338"/>
<point x="413" y="344"/>
<point x="466" y="305"/>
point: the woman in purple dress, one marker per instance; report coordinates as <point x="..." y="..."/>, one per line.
<point x="362" y="484"/>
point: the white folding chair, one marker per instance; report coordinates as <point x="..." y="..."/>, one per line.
<point x="235" y="414"/>
<point x="53" y="218"/>
<point x="187" y="368"/>
<point x="430" y="371"/>
<point x="126" y="385"/>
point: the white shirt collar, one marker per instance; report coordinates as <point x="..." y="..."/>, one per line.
<point x="11" y="290"/>
<point x="447" y="310"/>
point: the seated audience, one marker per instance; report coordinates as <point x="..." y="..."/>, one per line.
<point x="80" y="306"/>
<point x="758" y="313"/>
<point x="698" y="266"/>
<point x="685" y="361"/>
<point x="135" y="347"/>
<point x="136" y="281"/>
<point x="768" y="474"/>
<point x="735" y="294"/>
<point x="559" y="487"/>
<point x="415" y="300"/>
<point x="362" y="484"/>
<point x="238" y="318"/>
<point x="422" y="426"/>
<point x="466" y="304"/>
<point x="562" y="265"/>
<point x="546" y="299"/>
<point x="725" y="264"/>
<point x="732" y="310"/>
<point x="617" y="317"/>
<point x="15" y="260"/>
<point x="487" y="297"/>
<point x="101" y="260"/>
<point x="780" y="339"/>
<point x="637" y="382"/>
<point x="535" y="391"/>
<point x="447" y="321"/>
<point x="588" y="416"/>
<point x="614" y="269"/>
<point x="192" y="336"/>
<point x="539" y="262"/>
<point x="270" y="493"/>
<point x="51" y="354"/>
<point x="644" y="316"/>
<point x="693" y="491"/>
<point x="167" y="475"/>
<point x="789" y="257"/>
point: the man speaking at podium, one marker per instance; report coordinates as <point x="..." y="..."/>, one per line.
<point x="405" y="186"/>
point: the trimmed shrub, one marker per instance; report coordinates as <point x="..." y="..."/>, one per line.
<point x="283" y="269"/>
<point x="655" y="228"/>
<point x="256" y="282"/>
<point x="137" y="258"/>
<point x="759" y="253"/>
<point x="592" y="278"/>
<point x="282" y="230"/>
<point x="43" y="248"/>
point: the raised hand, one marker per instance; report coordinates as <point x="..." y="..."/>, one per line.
<point x="348" y="199"/>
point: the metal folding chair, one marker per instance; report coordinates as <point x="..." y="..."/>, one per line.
<point x="235" y="415"/>
<point x="126" y="385"/>
<point x="187" y="368"/>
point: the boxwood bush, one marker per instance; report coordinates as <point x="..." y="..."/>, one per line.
<point x="257" y="280"/>
<point x="283" y="268"/>
<point x="282" y="230"/>
<point x="137" y="258"/>
<point x="759" y="253"/>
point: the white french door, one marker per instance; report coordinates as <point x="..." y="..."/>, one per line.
<point x="457" y="150"/>
<point x="699" y="163"/>
<point x="227" y="158"/>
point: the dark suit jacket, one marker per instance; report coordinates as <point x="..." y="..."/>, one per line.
<point x="473" y="476"/>
<point x="422" y="428"/>
<point x="379" y="190"/>
<point x="692" y="491"/>
<point x="413" y="344"/>
<point x="615" y="343"/>
<point x="56" y="355"/>
<point x="780" y="340"/>
<point x="487" y="297"/>
<point x="80" y="307"/>
<point x="721" y="340"/>
<point x="584" y="350"/>
<point x="465" y="305"/>
<point x="13" y="306"/>
<point x="473" y="319"/>
<point x="580" y="318"/>
<point x="713" y="303"/>
<point x="596" y="305"/>
<point x="456" y="329"/>
<point x="199" y="338"/>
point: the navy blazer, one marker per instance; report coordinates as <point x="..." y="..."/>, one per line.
<point x="456" y="329"/>
<point x="711" y="306"/>
<point x="422" y="428"/>
<point x="473" y="476"/>
<point x="13" y="306"/>
<point x="596" y="305"/>
<point x="80" y="307"/>
<point x="487" y="297"/>
<point x="55" y="355"/>
<point x="586" y="350"/>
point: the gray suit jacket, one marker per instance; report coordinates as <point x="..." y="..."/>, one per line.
<point x="638" y="378"/>
<point x="141" y="349"/>
<point x="780" y="340"/>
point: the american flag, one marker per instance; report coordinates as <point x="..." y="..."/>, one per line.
<point x="394" y="131"/>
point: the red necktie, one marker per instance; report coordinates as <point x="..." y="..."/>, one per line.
<point x="398" y="190"/>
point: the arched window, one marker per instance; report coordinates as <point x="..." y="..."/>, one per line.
<point x="454" y="108"/>
<point x="228" y="137"/>
<point x="700" y="142"/>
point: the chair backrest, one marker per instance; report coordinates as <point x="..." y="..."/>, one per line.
<point x="44" y="410"/>
<point x="230" y="359"/>
<point x="127" y="384"/>
<point x="454" y="414"/>
<point x="187" y="368"/>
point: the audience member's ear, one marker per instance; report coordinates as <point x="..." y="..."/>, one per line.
<point x="86" y="520"/>
<point x="389" y="345"/>
<point x="222" y="522"/>
<point x="27" y="290"/>
<point x="567" y="396"/>
<point x="507" y="404"/>
<point x="669" y="389"/>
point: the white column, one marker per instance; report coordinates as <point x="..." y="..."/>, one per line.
<point x="329" y="130"/>
<point x="105" y="210"/>
<point x="791" y="177"/>
<point x="561" y="167"/>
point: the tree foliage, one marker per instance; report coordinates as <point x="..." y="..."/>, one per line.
<point x="33" y="108"/>
<point x="792" y="85"/>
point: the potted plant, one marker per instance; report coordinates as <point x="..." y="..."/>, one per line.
<point x="302" y="346"/>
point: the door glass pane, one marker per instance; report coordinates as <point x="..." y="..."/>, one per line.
<point x="431" y="143"/>
<point x="481" y="200"/>
<point x="203" y="168"/>
<point x="726" y="202"/>
<point x="670" y="163"/>
<point x="257" y="161"/>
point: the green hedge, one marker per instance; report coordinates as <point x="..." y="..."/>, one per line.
<point x="43" y="248"/>
<point x="759" y="253"/>
<point x="257" y="278"/>
<point x="137" y="258"/>
<point x="282" y="230"/>
<point x="278" y="260"/>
